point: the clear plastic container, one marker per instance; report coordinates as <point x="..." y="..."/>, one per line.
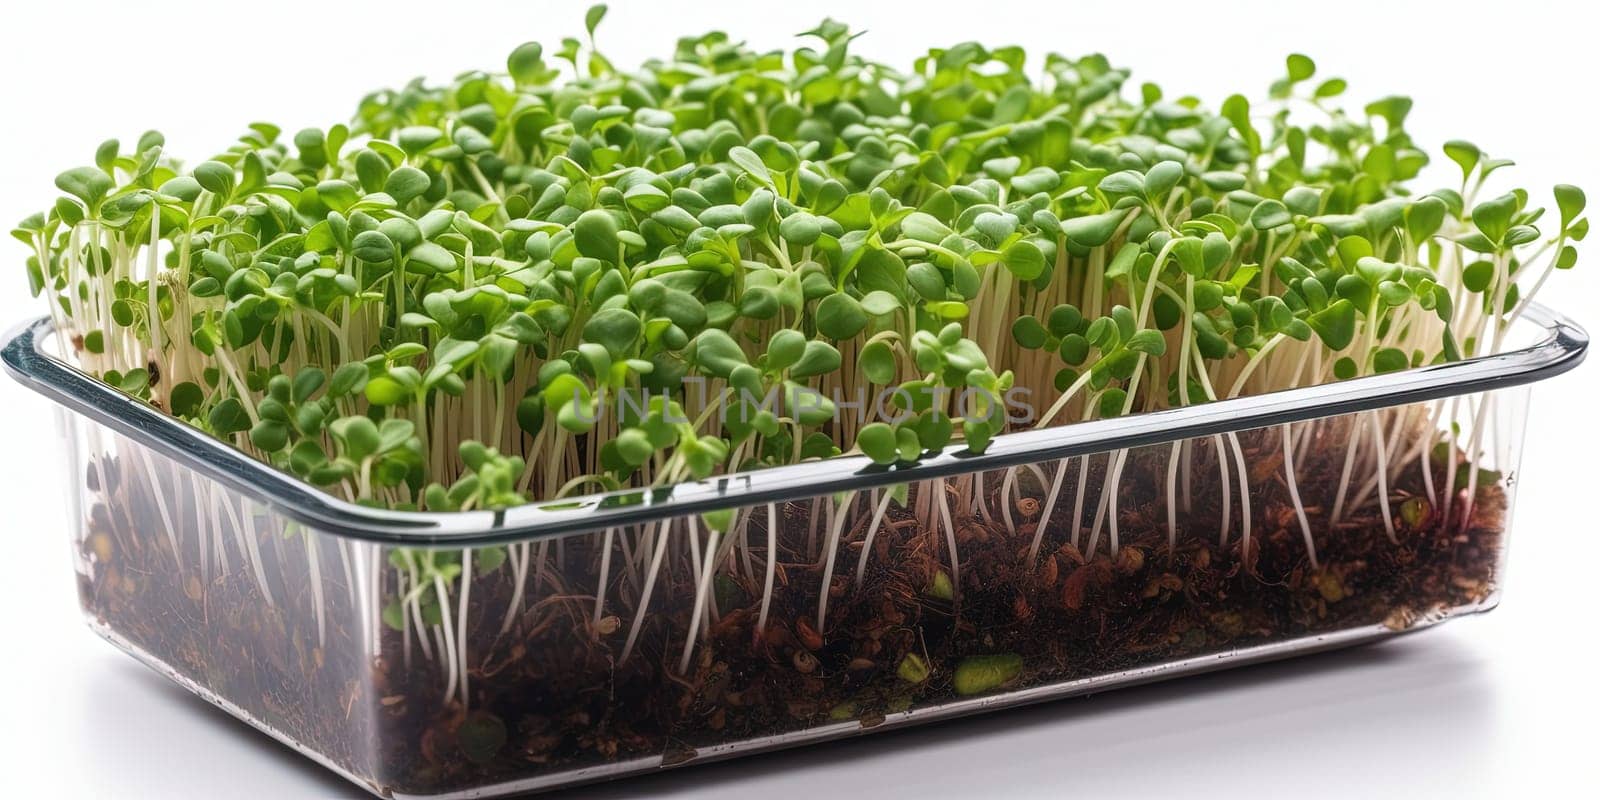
<point x="617" y="634"/>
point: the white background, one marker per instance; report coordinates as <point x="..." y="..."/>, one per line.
<point x="1482" y="707"/>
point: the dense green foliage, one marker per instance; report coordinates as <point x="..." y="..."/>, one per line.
<point x="440" y="304"/>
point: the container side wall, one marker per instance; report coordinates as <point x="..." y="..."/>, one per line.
<point x="252" y="610"/>
<point x="422" y="672"/>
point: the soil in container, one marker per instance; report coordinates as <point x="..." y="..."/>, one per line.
<point x="548" y="690"/>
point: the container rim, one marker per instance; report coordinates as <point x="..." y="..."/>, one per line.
<point x="1561" y="346"/>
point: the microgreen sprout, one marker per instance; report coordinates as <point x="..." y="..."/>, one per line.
<point x="567" y="278"/>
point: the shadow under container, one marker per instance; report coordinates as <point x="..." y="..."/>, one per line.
<point x="483" y="653"/>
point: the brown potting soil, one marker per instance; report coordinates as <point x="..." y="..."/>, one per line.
<point x="549" y="695"/>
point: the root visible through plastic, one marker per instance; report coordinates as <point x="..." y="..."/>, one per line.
<point x="636" y="640"/>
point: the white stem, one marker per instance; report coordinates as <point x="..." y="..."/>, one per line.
<point x="663" y="536"/>
<point x="978" y="498"/>
<point x="744" y="516"/>
<point x="604" y="579"/>
<point x="247" y="547"/>
<point x="168" y="528"/>
<point x="1188" y="475"/>
<point x="700" y="594"/>
<point x="520" y="567"/>
<point x="841" y="514"/>
<point x="950" y="537"/>
<point x="461" y="619"/>
<point x="694" y="549"/>
<point x="772" y="565"/>
<point x="450" y="657"/>
<point x="1472" y="460"/>
<point x="310" y="538"/>
<point x="1356" y="425"/>
<point x="1108" y="487"/>
<point x="1004" y="497"/>
<point x="1049" y="505"/>
<point x="359" y="583"/>
<point x="413" y="602"/>
<point x="1227" y="489"/>
<point x="1172" y="496"/>
<point x="1450" y="458"/>
<point x="872" y="530"/>
<point x="1425" y="441"/>
<point x="405" y="621"/>
<point x="1111" y="513"/>
<point x="1076" y="523"/>
<point x="1244" y="496"/>
<point x="1383" y="481"/>
<point x="1294" y="494"/>
<point x="375" y="602"/>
